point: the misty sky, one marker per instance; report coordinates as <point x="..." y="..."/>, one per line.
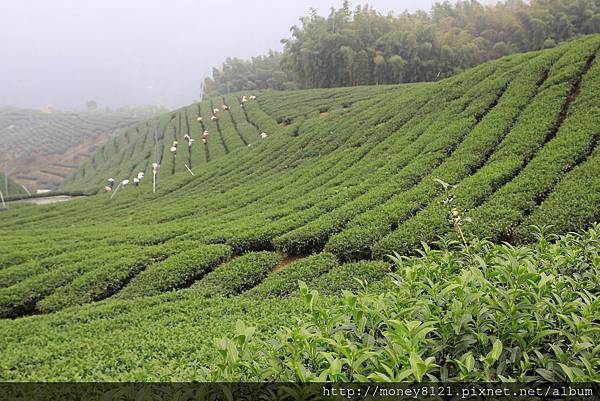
<point x="137" y="52"/>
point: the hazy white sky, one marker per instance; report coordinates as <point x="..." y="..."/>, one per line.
<point x="137" y="52"/>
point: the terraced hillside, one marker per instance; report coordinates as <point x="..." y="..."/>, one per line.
<point x="44" y="147"/>
<point x="344" y="178"/>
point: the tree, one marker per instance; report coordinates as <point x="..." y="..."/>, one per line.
<point x="91" y="105"/>
<point x="365" y="47"/>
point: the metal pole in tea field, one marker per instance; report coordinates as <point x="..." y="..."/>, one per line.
<point x="2" y="198"/>
<point x="6" y="179"/>
<point x="116" y="189"/>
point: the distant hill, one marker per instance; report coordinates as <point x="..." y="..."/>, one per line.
<point x="41" y="147"/>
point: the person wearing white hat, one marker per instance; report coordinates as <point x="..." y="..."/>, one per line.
<point x="200" y="119"/>
<point x="136" y="182"/>
<point x="263" y="135"/>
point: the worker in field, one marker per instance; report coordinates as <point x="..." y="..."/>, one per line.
<point x="252" y="97"/>
<point x="200" y="119"/>
<point x="111" y="182"/>
<point x="214" y="118"/>
<point x="263" y="135"/>
<point x="225" y="107"/>
<point x="205" y="134"/>
<point x="136" y="182"/>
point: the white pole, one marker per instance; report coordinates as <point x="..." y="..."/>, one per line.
<point x="6" y="179"/>
<point x="26" y="190"/>
<point x="2" y="197"/>
<point x="188" y="169"/>
<point x="116" y="189"/>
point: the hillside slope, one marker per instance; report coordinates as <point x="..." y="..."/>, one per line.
<point x="518" y="137"/>
<point x="41" y="148"/>
<point x="344" y="178"/>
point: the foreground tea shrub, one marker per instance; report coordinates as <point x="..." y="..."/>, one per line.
<point x="492" y="313"/>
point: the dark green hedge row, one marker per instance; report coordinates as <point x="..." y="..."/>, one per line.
<point x="238" y="275"/>
<point x="177" y="271"/>
<point x="285" y="281"/>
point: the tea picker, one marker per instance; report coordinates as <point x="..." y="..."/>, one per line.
<point x="111" y="184"/>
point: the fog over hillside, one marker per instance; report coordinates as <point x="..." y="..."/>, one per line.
<point x="63" y="53"/>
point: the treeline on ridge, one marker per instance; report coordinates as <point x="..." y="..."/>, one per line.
<point x="364" y="47"/>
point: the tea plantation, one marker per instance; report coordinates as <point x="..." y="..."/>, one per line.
<point x="266" y="257"/>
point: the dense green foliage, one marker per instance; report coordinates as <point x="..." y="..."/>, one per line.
<point x="237" y="276"/>
<point x="493" y="312"/>
<point x="178" y="271"/>
<point x="344" y="178"/>
<point x="364" y="47"/>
